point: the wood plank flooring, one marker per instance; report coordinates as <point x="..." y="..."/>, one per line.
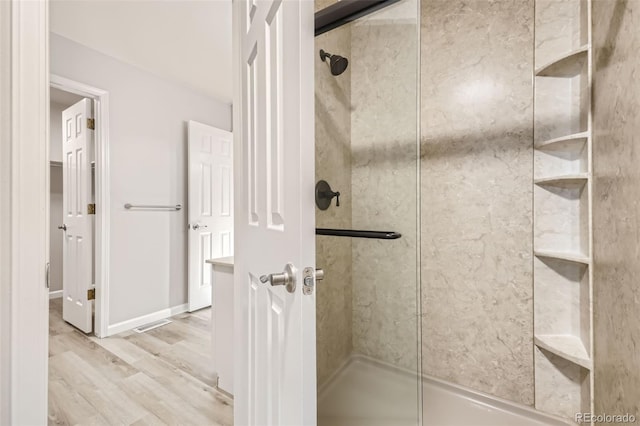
<point x="161" y="377"/>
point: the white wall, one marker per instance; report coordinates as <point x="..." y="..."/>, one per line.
<point x="148" y="160"/>
<point x="55" y="196"/>
<point x="183" y="29"/>
<point x="55" y="130"/>
<point x="55" y="235"/>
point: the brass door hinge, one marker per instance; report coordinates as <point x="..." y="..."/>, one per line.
<point x="91" y="208"/>
<point x="91" y="294"/>
<point x="91" y="123"/>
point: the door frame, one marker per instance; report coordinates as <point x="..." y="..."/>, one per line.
<point x="100" y="100"/>
<point x="24" y="204"/>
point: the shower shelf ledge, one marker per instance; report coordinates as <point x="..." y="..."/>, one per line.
<point x="563" y="255"/>
<point x="565" y="346"/>
<point x="563" y="140"/>
<point x="563" y="180"/>
<point x="567" y="65"/>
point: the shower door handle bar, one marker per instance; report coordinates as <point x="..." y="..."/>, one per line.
<point x="378" y="235"/>
<point x="151" y="207"/>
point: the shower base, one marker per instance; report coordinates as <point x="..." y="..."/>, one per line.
<point x="365" y="392"/>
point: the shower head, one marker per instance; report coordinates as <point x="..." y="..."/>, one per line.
<point x="337" y="63"/>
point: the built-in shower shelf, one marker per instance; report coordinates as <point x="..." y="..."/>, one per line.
<point x="565" y="346"/>
<point x="567" y="65"/>
<point x="563" y="255"/>
<point x="564" y="180"/>
<point x="575" y="138"/>
<point x="562" y="206"/>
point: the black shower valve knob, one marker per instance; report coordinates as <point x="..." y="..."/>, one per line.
<point x="324" y="195"/>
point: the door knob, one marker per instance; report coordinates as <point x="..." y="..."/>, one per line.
<point x="63" y="227"/>
<point x="286" y="278"/>
<point x="196" y="226"/>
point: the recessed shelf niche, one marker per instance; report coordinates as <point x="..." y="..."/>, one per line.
<point x="562" y="103"/>
<point x="564" y="157"/>
<point x="561" y="218"/>
<point x="561" y="27"/>
<point x="562" y="208"/>
<point x="562" y="387"/>
<point x="562" y="323"/>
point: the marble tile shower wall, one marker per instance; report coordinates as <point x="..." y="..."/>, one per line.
<point x="334" y="313"/>
<point x="615" y="209"/>
<point x="476" y="194"/>
<point x="321" y="4"/>
<point x="384" y="152"/>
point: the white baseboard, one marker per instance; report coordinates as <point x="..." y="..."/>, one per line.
<point x="145" y="319"/>
<point x="55" y="294"/>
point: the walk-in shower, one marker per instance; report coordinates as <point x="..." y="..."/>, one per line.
<point x="456" y="286"/>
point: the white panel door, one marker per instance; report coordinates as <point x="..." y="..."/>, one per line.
<point x="210" y="206"/>
<point x="275" y="347"/>
<point x="77" y="262"/>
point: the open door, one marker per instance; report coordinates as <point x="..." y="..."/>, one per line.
<point x="275" y="346"/>
<point x="210" y="206"/>
<point x="77" y="246"/>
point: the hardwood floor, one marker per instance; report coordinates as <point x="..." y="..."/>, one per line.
<point x="163" y="376"/>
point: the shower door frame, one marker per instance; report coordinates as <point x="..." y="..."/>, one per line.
<point x="345" y="11"/>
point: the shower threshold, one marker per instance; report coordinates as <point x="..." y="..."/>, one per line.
<point x="365" y="392"/>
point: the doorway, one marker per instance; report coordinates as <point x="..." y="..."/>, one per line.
<point x="142" y="136"/>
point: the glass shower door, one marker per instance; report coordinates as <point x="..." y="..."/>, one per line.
<point x="367" y="150"/>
